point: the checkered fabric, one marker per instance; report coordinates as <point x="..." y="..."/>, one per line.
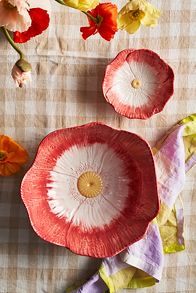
<point x="66" y="91"/>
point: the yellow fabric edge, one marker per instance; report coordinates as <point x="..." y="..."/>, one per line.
<point x="133" y="283"/>
<point x="190" y="125"/>
<point x="174" y="248"/>
<point x="107" y="280"/>
<point x="190" y="118"/>
<point x="141" y="283"/>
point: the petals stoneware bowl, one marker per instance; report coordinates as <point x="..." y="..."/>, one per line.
<point x="91" y="189"/>
<point x="138" y="83"/>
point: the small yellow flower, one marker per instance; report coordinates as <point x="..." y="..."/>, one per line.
<point x="137" y="12"/>
<point x="83" y="5"/>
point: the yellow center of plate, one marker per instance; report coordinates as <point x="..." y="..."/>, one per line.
<point x="90" y="184"/>
<point x="136" y="83"/>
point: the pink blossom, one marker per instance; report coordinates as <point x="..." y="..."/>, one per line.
<point x="20" y="77"/>
<point x="14" y="15"/>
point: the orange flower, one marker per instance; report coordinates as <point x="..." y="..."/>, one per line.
<point x="12" y="156"/>
<point x="102" y="20"/>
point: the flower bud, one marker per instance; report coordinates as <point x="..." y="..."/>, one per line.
<point x="21" y="72"/>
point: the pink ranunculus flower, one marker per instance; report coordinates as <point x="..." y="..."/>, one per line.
<point x="14" y="15"/>
<point x="21" y="77"/>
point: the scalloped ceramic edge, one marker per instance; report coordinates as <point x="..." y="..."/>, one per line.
<point x="40" y="233"/>
<point x="122" y="108"/>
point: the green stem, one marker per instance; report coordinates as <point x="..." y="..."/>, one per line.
<point x="10" y="40"/>
<point x="61" y="2"/>
<point x="88" y="14"/>
<point x="91" y="17"/>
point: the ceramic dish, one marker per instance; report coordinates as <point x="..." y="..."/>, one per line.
<point x="91" y="189"/>
<point x="138" y="83"/>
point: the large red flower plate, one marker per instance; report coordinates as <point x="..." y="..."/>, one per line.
<point x="91" y="189"/>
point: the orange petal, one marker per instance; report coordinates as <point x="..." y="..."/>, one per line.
<point x="7" y="144"/>
<point x="20" y="156"/>
<point x="4" y="143"/>
<point x="8" y="169"/>
<point x="16" y="156"/>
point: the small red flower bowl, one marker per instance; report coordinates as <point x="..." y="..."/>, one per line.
<point x="91" y="189"/>
<point x="138" y="83"/>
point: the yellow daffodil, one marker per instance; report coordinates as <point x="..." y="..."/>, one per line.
<point x="137" y="12"/>
<point x="83" y="5"/>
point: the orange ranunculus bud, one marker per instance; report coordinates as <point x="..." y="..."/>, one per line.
<point x="102" y="20"/>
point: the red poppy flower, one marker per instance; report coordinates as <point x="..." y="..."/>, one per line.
<point x="104" y="23"/>
<point x="39" y="22"/>
<point x="92" y="189"/>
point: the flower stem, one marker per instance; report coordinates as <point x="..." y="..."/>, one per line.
<point x="61" y="2"/>
<point x="10" y="40"/>
<point x="90" y="16"/>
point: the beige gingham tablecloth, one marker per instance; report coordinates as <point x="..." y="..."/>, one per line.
<point x="66" y="91"/>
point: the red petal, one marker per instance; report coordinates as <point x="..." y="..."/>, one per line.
<point x="108" y="26"/>
<point x="106" y="33"/>
<point x="40" y="21"/>
<point x="88" y="31"/>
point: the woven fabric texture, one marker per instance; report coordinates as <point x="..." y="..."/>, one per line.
<point x="66" y="90"/>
